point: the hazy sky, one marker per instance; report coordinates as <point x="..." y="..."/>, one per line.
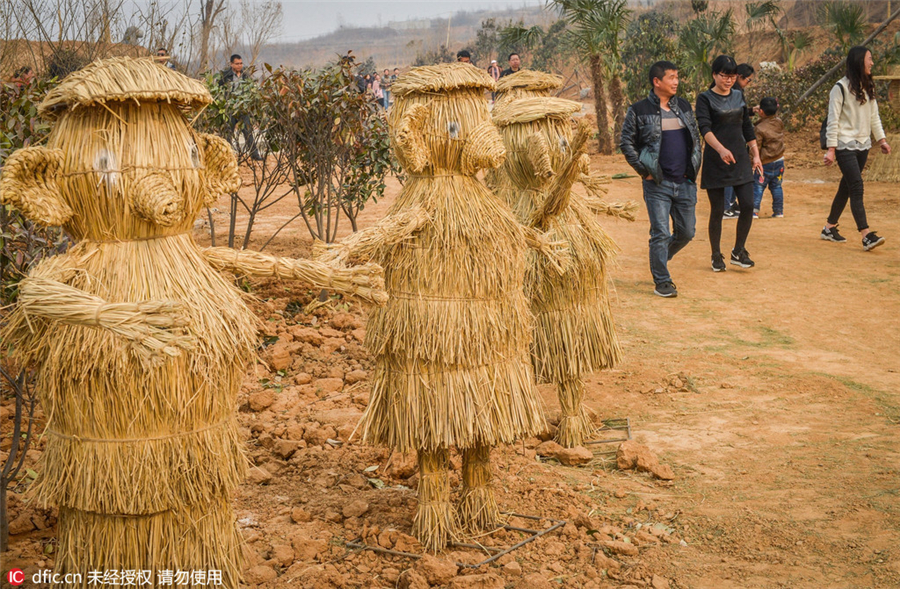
<point x="303" y="19"/>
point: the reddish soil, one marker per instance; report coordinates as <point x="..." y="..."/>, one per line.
<point x="770" y="392"/>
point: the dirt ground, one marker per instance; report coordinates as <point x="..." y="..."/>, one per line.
<point x="771" y="392"/>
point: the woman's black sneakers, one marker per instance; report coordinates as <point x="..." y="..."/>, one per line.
<point x="718" y="263"/>
<point x="741" y="259"/>
<point x="831" y="234"/>
<point x="871" y="241"/>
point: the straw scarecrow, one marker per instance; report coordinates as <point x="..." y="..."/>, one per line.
<point x="452" y="345"/>
<point x="886" y="168"/>
<point x="574" y="333"/>
<point x="139" y="344"/>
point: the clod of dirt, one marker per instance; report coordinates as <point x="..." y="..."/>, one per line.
<point x="512" y="569"/>
<point x="533" y="581"/>
<point x="284" y="554"/>
<point x="329" y="385"/>
<point x="549" y="448"/>
<point x="305" y="548"/>
<point x="260" y="574"/>
<point x="302" y="378"/>
<point x="632" y="455"/>
<point x="258" y="476"/>
<point x="402" y="466"/>
<point x="355" y="508"/>
<point x="486" y="581"/>
<point x="306" y="335"/>
<point x="410" y="579"/>
<point x="574" y="456"/>
<point x="22" y="524"/>
<point x="261" y="400"/>
<point x="658" y="582"/>
<point x="300" y="515"/>
<point x="354" y="376"/>
<point x="436" y="571"/>
<point x="345" y="321"/>
<point x="284" y="449"/>
<point x="623" y="548"/>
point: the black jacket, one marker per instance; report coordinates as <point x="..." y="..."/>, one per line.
<point x="642" y="136"/>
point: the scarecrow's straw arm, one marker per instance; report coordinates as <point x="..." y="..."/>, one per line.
<point x="153" y="327"/>
<point x="368" y="244"/>
<point x="365" y="281"/>
<point x="622" y="210"/>
<point x="557" y="252"/>
<point x="561" y="188"/>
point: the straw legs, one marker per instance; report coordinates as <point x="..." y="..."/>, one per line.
<point x="111" y="549"/>
<point x="575" y="424"/>
<point x="477" y="506"/>
<point x="435" y="523"/>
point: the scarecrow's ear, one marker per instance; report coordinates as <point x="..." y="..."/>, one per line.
<point x="222" y="175"/>
<point x="484" y="149"/>
<point x="539" y="155"/>
<point x="410" y="138"/>
<point x="29" y="184"/>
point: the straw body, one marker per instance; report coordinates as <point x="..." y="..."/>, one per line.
<point x="574" y="332"/>
<point x="452" y="344"/>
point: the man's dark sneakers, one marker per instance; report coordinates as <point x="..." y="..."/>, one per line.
<point x="718" y="263"/>
<point x="832" y="235"/>
<point x="742" y="259"/>
<point x="666" y="289"/>
<point x="871" y="241"/>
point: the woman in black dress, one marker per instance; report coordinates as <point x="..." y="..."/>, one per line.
<point x="724" y="121"/>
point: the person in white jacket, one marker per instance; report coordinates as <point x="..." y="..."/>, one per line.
<point x="852" y="121"/>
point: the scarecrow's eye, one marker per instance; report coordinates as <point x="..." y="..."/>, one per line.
<point x="195" y="155"/>
<point x="563" y="144"/>
<point x="453" y="129"/>
<point x="105" y="163"/>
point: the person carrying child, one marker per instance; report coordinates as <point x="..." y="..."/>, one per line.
<point x="770" y="138"/>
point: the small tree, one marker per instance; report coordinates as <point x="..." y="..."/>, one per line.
<point x="758" y="15"/>
<point x="336" y="141"/>
<point x="846" y="21"/>
<point x="701" y="40"/>
<point x="650" y="37"/>
<point x="595" y="27"/>
<point x="245" y="117"/>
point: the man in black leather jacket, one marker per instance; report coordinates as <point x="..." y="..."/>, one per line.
<point x="661" y="141"/>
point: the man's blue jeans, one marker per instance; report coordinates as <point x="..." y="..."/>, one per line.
<point x="666" y="200"/>
<point x="773" y="174"/>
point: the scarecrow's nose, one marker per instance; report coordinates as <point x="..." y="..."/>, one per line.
<point x="154" y="199"/>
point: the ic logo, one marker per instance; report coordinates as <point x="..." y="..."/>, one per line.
<point x="15" y="577"/>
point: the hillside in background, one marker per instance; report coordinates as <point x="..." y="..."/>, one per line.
<point x="397" y="43"/>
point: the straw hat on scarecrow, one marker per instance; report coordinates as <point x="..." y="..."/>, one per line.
<point x="139" y="344"/>
<point x="574" y="334"/>
<point x="886" y="168"/>
<point x="452" y="344"/>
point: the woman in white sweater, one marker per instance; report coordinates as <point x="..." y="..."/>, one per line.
<point x="852" y="121"/>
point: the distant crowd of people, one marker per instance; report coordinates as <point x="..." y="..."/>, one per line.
<point x="661" y="140"/>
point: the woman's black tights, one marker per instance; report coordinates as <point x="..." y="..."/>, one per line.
<point x="744" y="194"/>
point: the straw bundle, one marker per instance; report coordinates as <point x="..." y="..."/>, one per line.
<point x="139" y="344"/>
<point x="451" y="346"/>
<point x="893" y="78"/>
<point x="574" y="332"/>
<point x="365" y="282"/>
<point x="526" y="84"/>
<point x="884" y="168"/>
<point x="477" y="507"/>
